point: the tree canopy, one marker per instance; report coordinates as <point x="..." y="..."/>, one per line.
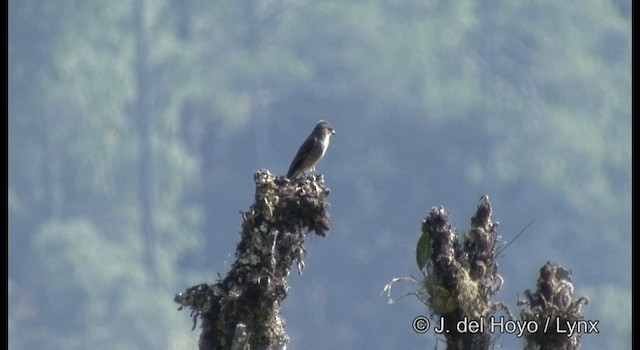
<point x="135" y="128"/>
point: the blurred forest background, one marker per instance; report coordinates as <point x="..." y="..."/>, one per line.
<point x="135" y="128"/>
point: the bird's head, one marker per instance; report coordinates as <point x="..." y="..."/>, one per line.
<point x="324" y="128"/>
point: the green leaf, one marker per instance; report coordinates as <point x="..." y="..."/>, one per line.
<point x="423" y="251"/>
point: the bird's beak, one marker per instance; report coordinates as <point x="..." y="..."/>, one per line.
<point x="333" y="132"/>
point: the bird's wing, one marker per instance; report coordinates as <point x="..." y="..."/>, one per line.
<point x="309" y="144"/>
<point x="303" y="152"/>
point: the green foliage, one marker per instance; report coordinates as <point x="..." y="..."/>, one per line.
<point x="574" y="93"/>
<point x="73" y="164"/>
<point x="423" y="251"/>
<point x="534" y="96"/>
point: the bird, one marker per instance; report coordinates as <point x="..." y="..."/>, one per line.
<point x="312" y="150"/>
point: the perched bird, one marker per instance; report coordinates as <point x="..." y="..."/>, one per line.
<point x="312" y="150"/>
